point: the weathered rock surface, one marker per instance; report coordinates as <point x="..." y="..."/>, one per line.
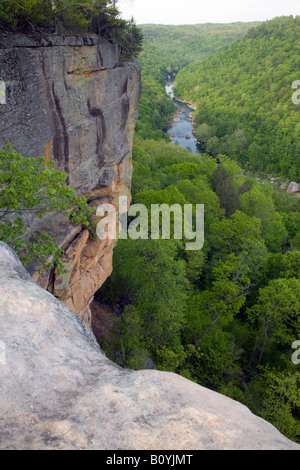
<point x="293" y="187"/>
<point x="58" y="390"/>
<point x="72" y="100"/>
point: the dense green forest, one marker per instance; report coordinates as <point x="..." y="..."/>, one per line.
<point x="225" y="316"/>
<point x="243" y="96"/>
<point x="166" y="50"/>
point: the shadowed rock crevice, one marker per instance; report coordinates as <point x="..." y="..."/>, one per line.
<point x="124" y="112"/>
<point x="61" y="137"/>
<point x="100" y="130"/>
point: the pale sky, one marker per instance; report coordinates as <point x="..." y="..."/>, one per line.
<point x="205" y="11"/>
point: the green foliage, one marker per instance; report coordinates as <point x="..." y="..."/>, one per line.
<point x="277" y="397"/>
<point x="222" y="184"/>
<point x="259" y="203"/>
<point x="283" y="265"/>
<point x="166" y="50"/>
<point x="156" y="303"/>
<point x="239" y="295"/>
<point x="155" y="109"/>
<point x="128" y="36"/>
<point x="277" y="314"/>
<point x="244" y="98"/>
<point x="25" y="14"/>
<point x="31" y="187"/>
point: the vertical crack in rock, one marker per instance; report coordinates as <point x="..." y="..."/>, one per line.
<point x="58" y="124"/>
<point x="125" y="106"/>
<point x="61" y="138"/>
<point x="101" y="130"/>
<point x="125" y="87"/>
<point x="99" y="56"/>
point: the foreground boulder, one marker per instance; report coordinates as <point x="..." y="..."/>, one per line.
<point x="59" y="391"/>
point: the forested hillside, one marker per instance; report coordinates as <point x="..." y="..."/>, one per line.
<point x="225" y="316"/>
<point x="243" y="96"/>
<point x="166" y="50"/>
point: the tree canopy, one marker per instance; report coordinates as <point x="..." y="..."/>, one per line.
<point x="31" y="187"/>
<point x="243" y="95"/>
<point x="100" y="17"/>
<point x="238" y="312"/>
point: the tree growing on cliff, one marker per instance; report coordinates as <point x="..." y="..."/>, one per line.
<point x="86" y="15"/>
<point x="100" y="17"/>
<point x="33" y="187"/>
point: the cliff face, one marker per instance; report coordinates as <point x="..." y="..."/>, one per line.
<point x="74" y="101"/>
<point x="58" y="390"/>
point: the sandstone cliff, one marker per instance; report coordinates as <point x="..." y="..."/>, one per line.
<point x="74" y="101"/>
<point x="58" y="390"/>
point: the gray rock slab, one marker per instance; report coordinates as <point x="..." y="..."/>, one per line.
<point x="293" y="187"/>
<point x="58" y="391"/>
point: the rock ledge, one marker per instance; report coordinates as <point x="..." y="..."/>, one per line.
<point x="58" y="391"/>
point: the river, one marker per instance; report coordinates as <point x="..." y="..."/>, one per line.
<point x="181" y="132"/>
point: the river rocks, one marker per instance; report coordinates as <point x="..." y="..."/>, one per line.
<point x="293" y="188"/>
<point x="59" y="392"/>
<point x="75" y="102"/>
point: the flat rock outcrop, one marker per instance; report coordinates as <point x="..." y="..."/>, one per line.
<point x="74" y="101"/>
<point x="58" y="391"/>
